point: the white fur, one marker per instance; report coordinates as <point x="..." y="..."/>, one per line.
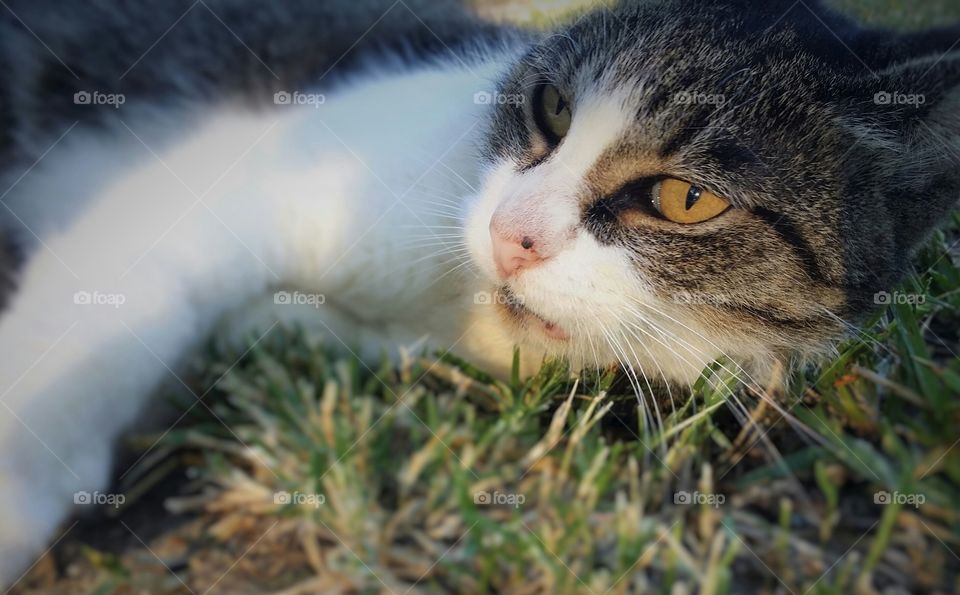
<point x="186" y="226"/>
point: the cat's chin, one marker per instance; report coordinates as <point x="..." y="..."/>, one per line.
<point x="526" y="320"/>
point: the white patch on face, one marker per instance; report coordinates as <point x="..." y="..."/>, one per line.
<point x="543" y="202"/>
<point x="591" y="291"/>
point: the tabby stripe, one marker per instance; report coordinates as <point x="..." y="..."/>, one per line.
<point x="791" y="234"/>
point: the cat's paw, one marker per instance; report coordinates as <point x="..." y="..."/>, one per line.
<point x="41" y="485"/>
<point x="30" y="514"/>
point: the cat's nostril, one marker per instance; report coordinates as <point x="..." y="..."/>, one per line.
<point x="511" y="255"/>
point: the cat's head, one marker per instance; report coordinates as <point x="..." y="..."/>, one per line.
<point x="678" y="181"/>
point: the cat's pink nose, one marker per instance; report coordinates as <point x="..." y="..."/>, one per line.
<point x="511" y="255"/>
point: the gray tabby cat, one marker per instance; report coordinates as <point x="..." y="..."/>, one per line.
<point x="658" y="185"/>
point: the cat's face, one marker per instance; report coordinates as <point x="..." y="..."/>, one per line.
<point x="672" y="183"/>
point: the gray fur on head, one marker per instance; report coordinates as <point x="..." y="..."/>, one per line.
<point x="837" y="146"/>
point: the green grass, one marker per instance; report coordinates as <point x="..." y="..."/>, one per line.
<point x="902" y="15"/>
<point x="399" y="456"/>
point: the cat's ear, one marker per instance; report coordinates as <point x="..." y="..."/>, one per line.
<point x="881" y="49"/>
<point x="918" y="97"/>
<point x="912" y="112"/>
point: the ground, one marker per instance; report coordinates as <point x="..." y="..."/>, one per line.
<point x="305" y="472"/>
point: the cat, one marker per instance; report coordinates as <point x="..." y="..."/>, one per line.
<point x="655" y="185"/>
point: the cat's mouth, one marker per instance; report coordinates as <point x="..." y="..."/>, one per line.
<point x="523" y="315"/>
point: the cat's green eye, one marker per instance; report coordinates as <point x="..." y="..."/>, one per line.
<point x="552" y="113"/>
<point x="682" y="202"/>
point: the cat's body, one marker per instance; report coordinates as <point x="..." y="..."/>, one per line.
<point x="405" y="200"/>
<point x="171" y="221"/>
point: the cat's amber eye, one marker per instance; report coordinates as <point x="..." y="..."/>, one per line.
<point x="552" y="113"/>
<point x="682" y="202"/>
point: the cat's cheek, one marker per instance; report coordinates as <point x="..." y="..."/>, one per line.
<point x="586" y="274"/>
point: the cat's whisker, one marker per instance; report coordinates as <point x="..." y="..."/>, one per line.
<point x="451" y="237"/>
<point x="859" y="332"/>
<point x="456" y="254"/>
<point x="439" y="232"/>
<point x="430" y="162"/>
<point x="468" y="263"/>
<point x="532" y="82"/>
<point x="661" y="332"/>
<point x="642" y="343"/>
<point x="435" y="202"/>
<point x="434" y="235"/>
<point x="624" y="324"/>
<point x="431" y="242"/>
<point x="459" y="227"/>
<point x="459" y="177"/>
<point x="437" y="247"/>
<point x="668" y="336"/>
<point x="442" y="215"/>
<point x="664" y="334"/>
<point x="593" y="347"/>
<point x="754" y="386"/>
<point x="699" y="335"/>
<point x="748" y="381"/>
<point x="434" y="254"/>
<point x="742" y="413"/>
<point x="433" y="196"/>
<point x="442" y="205"/>
<point x="631" y="375"/>
<point x="616" y="354"/>
<point x="437" y="241"/>
<point x="651" y="393"/>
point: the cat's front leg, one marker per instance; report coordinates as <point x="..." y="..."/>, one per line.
<point x="97" y="325"/>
